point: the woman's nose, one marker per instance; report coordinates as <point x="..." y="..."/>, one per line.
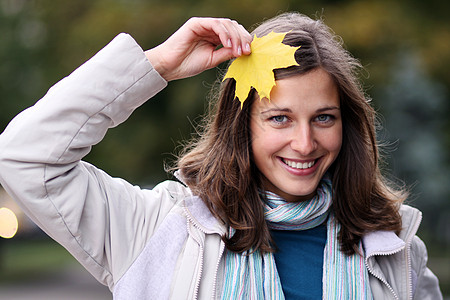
<point x="303" y="141"/>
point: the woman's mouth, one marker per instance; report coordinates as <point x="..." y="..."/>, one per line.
<point x="299" y="165"/>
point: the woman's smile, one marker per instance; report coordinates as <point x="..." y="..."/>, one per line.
<point x="298" y="164"/>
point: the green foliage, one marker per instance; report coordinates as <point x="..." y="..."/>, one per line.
<point x="26" y="260"/>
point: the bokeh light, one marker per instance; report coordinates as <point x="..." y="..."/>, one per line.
<point x="8" y="223"/>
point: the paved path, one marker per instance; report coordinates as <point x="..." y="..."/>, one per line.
<point x="72" y="283"/>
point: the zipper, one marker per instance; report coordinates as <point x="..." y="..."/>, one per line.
<point x="191" y="220"/>
<point x="371" y="271"/>
<point x="222" y="250"/>
<point x="197" y="284"/>
<point x="408" y="255"/>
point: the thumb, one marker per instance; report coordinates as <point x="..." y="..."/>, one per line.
<point x="221" y="55"/>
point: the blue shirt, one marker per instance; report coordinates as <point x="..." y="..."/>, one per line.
<point x="299" y="261"/>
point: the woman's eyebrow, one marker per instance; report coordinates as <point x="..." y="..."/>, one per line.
<point x="328" y="108"/>
<point x="288" y="110"/>
<point x="276" y="110"/>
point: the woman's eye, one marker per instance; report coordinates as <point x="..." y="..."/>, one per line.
<point x="279" y="119"/>
<point x="324" y="118"/>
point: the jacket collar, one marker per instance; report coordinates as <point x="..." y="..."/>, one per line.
<point x="382" y="243"/>
<point x="200" y="215"/>
<point x="387" y="242"/>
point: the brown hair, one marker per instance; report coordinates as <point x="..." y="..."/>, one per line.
<point x="219" y="168"/>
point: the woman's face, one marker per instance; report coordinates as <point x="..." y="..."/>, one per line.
<point x="297" y="135"/>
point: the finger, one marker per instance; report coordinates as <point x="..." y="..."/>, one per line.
<point x="241" y="38"/>
<point x="221" y="31"/>
<point x="206" y="28"/>
<point x="246" y="40"/>
<point x="235" y="34"/>
<point x="227" y="31"/>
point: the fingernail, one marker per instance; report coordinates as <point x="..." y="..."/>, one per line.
<point x="247" y="47"/>
<point x="229" y="43"/>
<point x="239" y="50"/>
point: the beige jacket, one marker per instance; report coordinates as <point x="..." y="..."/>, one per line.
<point x="145" y="244"/>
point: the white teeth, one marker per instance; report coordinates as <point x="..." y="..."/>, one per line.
<point x="299" y="165"/>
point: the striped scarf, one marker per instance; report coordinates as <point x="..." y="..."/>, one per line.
<point x="254" y="275"/>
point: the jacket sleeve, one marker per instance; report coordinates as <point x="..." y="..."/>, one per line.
<point x="99" y="219"/>
<point x="427" y="284"/>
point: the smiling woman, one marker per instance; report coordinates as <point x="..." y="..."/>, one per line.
<point x="276" y="199"/>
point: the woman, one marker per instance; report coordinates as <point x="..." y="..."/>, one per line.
<point x="277" y="199"/>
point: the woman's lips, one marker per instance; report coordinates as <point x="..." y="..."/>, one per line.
<point x="298" y="164"/>
<point x="300" y="167"/>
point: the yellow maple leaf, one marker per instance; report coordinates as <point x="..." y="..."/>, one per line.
<point x="256" y="70"/>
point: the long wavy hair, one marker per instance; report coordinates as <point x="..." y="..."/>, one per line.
<point x="218" y="166"/>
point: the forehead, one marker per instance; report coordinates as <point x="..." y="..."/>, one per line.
<point x="312" y="90"/>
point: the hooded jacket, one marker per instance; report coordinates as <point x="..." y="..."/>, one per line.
<point x="161" y="243"/>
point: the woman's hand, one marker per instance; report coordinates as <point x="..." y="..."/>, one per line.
<point x="193" y="48"/>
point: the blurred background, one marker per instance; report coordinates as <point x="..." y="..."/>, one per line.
<point x="404" y="46"/>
